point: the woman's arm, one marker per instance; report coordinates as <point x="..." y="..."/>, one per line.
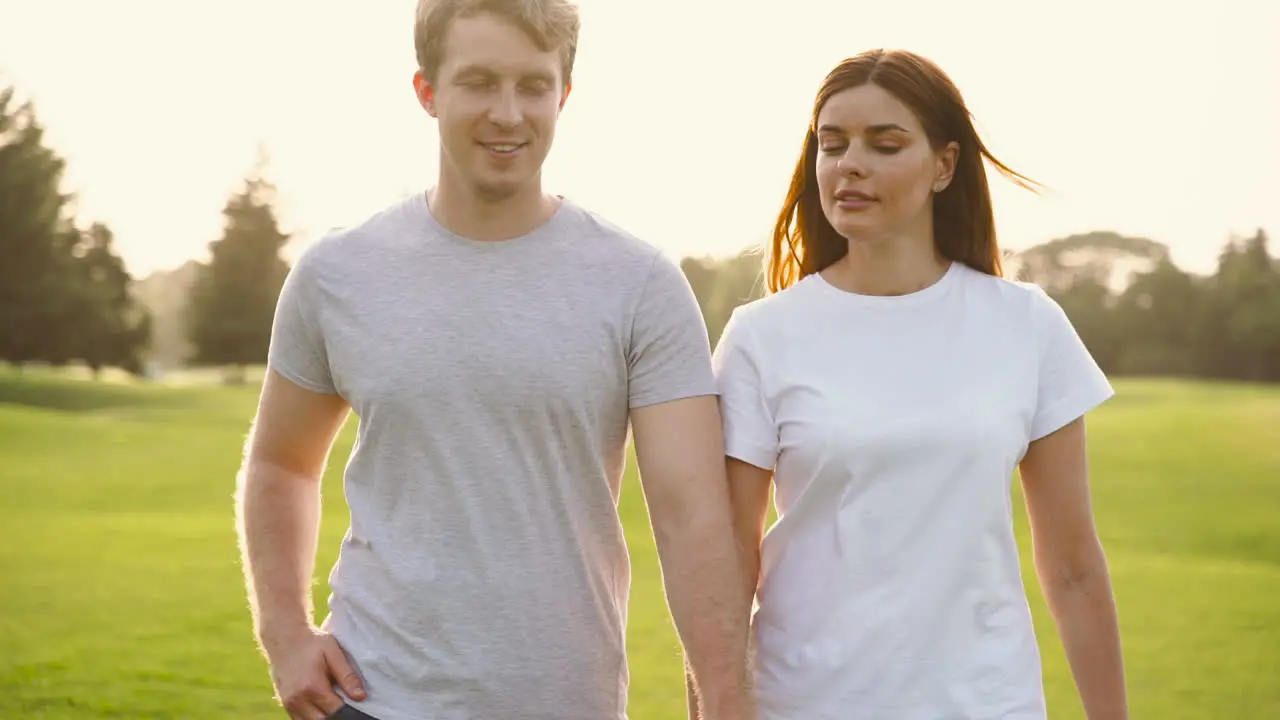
<point x="1072" y="568"/>
<point x="749" y="501"/>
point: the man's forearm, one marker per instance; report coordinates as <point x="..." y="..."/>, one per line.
<point x="691" y="692"/>
<point x="278" y="520"/>
<point x="702" y="574"/>
<point x="1085" y="613"/>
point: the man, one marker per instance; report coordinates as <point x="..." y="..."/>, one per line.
<point x="497" y="343"/>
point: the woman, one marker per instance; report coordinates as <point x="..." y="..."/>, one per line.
<point x="889" y="385"/>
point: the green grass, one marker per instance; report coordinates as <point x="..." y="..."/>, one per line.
<point x="121" y="595"/>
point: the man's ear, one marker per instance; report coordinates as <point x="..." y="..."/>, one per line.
<point x="564" y="97"/>
<point x="425" y="92"/>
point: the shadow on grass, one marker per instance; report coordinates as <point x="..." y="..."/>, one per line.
<point x="75" y="395"/>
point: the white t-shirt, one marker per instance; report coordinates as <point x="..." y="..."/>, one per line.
<point x="891" y="586"/>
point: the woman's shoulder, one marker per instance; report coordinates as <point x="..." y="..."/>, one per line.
<point x="770" y="321"/>
<point x="780" y="306"/>
<point x="1020" y="296"/>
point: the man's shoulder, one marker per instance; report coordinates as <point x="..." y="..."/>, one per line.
<point x="608" y="239"/>
<point x="354" y="245"/>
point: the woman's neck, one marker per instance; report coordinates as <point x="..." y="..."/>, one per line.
<point x="894" y="267"/>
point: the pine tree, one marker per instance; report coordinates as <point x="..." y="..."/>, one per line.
<point x="34" y="233"/>
<point x="234" y="295"/>
<point x="112" y="329"/>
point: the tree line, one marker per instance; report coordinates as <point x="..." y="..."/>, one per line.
<point x="1138" y="312"/>
<point x="66" y="296"/>
<point x="64" y="293"/>
<point x="1142" y="315"/>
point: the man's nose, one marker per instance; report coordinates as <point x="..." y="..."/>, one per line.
<point x="505" y="110"/>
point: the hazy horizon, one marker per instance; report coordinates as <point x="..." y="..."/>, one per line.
<point x="684" y="122"/>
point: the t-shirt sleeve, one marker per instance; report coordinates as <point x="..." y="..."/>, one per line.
<point x="297" y="347"/>
<point x="670" y="355"/>
<point x="1070" y="382"/>
<point x="750" y="433"/>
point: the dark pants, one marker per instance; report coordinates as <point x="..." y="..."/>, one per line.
<point x="346" y="712"/>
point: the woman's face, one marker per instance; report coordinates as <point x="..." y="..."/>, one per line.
<point x="876" y="170"/>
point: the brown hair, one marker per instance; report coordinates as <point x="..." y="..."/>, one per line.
<point x="549" y="23"/>
<point x="804" y="241"/>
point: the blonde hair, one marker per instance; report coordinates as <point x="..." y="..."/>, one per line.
<point x="549" y="23"/>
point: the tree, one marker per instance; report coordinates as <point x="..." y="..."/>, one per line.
<point x="233" y="297"/>
<point x="1157" y="318"/>
<point x="1095" y="258"/>
<point x="1083" y="273"/>
<point x="1242" y="315"/>
<point x="111" y="327"/>
<point x="34" y="232"/>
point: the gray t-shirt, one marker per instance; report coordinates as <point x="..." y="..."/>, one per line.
<point x="485" y="574"/>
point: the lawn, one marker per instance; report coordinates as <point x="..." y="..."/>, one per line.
<point x="121" y="595"/>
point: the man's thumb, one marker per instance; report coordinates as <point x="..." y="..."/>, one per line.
<point x="343" y="672"/>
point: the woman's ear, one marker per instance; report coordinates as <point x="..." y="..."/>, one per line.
<point x="946" y="166"/>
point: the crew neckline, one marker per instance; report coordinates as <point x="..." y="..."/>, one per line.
<point x="911" y="299"/>
<point x="437" y="229"/>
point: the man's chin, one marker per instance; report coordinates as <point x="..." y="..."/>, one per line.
<point x="499" y="190"/>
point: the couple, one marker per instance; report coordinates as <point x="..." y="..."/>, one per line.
<point x="500" y="345"/>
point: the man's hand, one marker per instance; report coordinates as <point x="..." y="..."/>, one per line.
<point x="680" y="453"/>
<point x="304" y="669"/>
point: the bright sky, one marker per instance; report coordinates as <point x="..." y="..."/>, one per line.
<point x="1148" y="117"/>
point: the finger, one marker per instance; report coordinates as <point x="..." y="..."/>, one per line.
<point x="343" y="672"/>
<point x="317" y="702"/>
<point x="329" y="702"/>
<point x="300" y="709"/>
<point x="313" y="709"/>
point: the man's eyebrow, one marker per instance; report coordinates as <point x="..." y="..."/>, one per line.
<point x="487" y="72"/>
<point x="541" y="76"/>
<point x="467" y="71"/>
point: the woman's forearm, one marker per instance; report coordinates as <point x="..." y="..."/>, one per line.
<point x="1084" y="610"/>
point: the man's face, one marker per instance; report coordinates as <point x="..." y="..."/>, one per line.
<point x="497" y="97"/>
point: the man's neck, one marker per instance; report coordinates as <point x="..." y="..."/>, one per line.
<point x="473" y="217"/>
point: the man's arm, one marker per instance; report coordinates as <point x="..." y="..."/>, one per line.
<point x="749" y="501"/>
<point x="1073" y="568"/>
<point x="680" y="454"/>
<point x="278" y="518"/>
<point x="278" y="500"/>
